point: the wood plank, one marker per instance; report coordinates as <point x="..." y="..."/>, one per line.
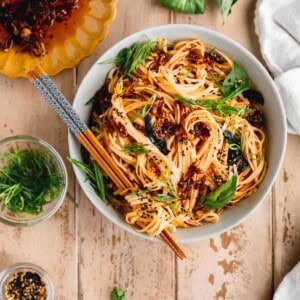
<point x="109" y="256"/>
<point x="286" y="212"/>
<point x="237" y="263"/>
<point x="52" y="243"/>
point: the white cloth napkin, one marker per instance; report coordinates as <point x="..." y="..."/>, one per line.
<point x="289" y="288"/>
<point x="277" y="25"/>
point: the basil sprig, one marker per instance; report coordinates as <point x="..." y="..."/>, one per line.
<point x="220" y="197"/>
<point x="198" y="6"/>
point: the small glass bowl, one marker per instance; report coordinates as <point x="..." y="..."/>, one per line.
<point x="25" y="267"/>
<point x="22" y="142"/>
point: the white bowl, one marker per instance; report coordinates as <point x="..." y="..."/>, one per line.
<point x="273" y="112"/>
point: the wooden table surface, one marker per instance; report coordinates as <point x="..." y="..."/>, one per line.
<point x="87" y="256"/>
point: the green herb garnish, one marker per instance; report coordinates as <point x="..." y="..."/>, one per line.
<point x="225" y="7"/>
<point x="165" y="198"/>
<point x="94" y="176"/>
<point x="150" y="132"/>
<point x="217" y="106"/>
<point x="29" y="180"/>
<point x="186" y="6"/>
<point x="130" y="58"/>
<point x="235" y="83"/>
<point x="220" y="197"/>
<point x="145" y="110"/>
<point x="136" y="148"/>
<point x="72" y="199"/>
<point x="118" y="294"/>
<point x="171" y="195"/>
<point x="198" y="6"/>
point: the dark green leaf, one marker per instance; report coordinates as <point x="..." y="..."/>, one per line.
<point x="136" y="148"/>
<point x="220" y="197"/>
<point x="225" y="7"/>
<point x="236" y="82"/>
<point x="186" y="6"/>
<point x="118" y="294"/>
<point x="159" y="143"/>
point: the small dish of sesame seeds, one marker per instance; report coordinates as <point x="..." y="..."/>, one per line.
<point x="25" y="281"/>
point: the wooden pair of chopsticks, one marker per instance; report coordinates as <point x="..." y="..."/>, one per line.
<point x="69" y="116"/>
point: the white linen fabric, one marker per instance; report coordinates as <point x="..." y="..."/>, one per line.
<point x="289" y="288"/>
<point x="277" y="24"/>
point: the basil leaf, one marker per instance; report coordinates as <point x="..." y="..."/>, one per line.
<point x="220" y="197"/>
<point x="159" y="143"/>
<point x="186" y="6"/>
<point x="236" y="82"/>
<point x="225" y="7"/>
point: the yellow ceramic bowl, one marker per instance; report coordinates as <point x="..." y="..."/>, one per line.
<point x="72" y="40"/>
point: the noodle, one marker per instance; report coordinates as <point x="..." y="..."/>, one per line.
<point x="203" y="147"/>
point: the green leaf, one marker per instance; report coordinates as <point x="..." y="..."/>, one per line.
<point x="150" y="132"/>
<point x="223" y="109"/>
<point x="136" y="148"/>
<point x="236" y="82"/>
<point x="94" y="176"/>
<point x="220" y="197"/>
<point x="165" y="198"/>
<point x="217" y="106"/>
<point x="186" y="6"/>
<point x="130" y="58"/>
<point x="225" y="7"/>
<point x="118" y="294"/>
<point x="145" y="110"/>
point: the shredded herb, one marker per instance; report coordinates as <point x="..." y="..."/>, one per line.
<point x="94" y="176"/>
<point x="159" y="143"/>
<point x="225" y="7"/>
<point x="72" y="199"/>
<point x="171" y="195"/>
<point x="220" y="197"/>
<point x="165" y="198"/>
<point x="217" y="106"/>
<point x="145" y="110"/>
<point x="130" y="58"/>
<point x="118" y="294"/>
<point x="136" y="148"/>
<point x="29" y="180"/>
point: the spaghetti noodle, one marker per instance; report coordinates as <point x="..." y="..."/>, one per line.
<point x="183" y="126"/>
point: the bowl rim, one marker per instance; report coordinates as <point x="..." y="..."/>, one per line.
<point x="18" y="267"/>
<point x="41" y="217"/>
<point x="202" y="30"/>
